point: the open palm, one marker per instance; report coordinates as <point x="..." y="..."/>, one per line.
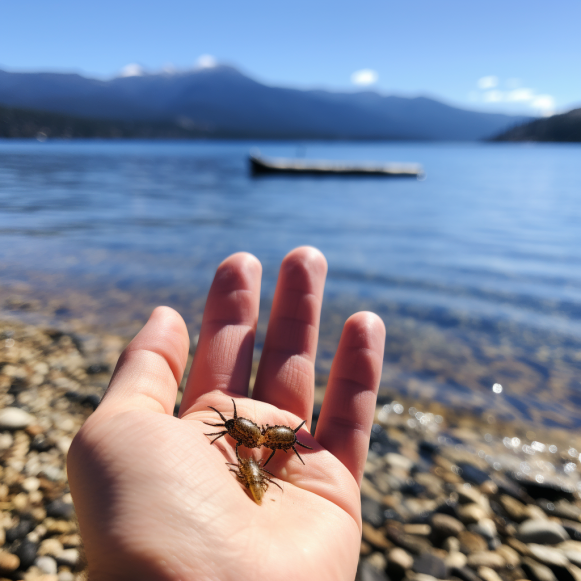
<point x="156" y="500"/>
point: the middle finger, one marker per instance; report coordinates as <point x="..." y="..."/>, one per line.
<point x="286" y="373"/>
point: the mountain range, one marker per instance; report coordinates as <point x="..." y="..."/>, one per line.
<point x="565" y="127"/>
<point x="220" y="101"/>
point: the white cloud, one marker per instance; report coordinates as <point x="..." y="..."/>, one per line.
<point x="206" y="61"/>
<point x="493" y="96"/>
<point x="487" y="82"/>
<point x="132" y="70"/>
<point x="545" y="103"/>
<point x="513" y="83"/>
<point x="520" y="95"/>
<point x="364" y="77"/>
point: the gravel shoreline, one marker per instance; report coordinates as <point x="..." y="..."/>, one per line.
<point x="445" y="495"/>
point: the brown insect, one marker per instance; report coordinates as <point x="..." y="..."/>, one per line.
<point x="244" y="431"/>
<point x="281" y="438"/>
<point x="253" y="475"/>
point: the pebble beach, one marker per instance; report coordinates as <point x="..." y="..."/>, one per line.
<point x="445" y="495"/>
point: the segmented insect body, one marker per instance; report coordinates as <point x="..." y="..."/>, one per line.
<point x="244" y="431"/>
<point x="281" y="438"/>
<point x="254" y="477"/>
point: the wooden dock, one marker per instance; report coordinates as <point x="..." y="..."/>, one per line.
<point x="263" y="166"/>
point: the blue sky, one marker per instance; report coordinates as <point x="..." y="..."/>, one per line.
<point x="508" y="55"/>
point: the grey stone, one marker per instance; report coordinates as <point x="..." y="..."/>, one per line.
<point x="367" y="572"/>
<point x="372" y="511"/>
<point x="544" y="532"/>
<point x="464" y="573"/>
<point x="47" y="565"/>
<point x="14" y="419"/>
<point x="429" y="564"/>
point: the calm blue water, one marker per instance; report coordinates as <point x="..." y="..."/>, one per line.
<point x="485" y="248"/>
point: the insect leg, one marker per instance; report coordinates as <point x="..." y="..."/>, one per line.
<point x="295" y="451"/>
<point x="219" y="436"/>
<point x="303" y="445"/>
<point x="217" y="413"/>
<point x="214" y="425"/>
<point x="273" y="452"/>
<point x="273" y="482"/>
<point x="299" y="426"/>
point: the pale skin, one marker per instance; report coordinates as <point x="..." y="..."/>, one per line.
<point x="156" y="501"/>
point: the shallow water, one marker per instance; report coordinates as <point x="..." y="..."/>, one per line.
<point x="475" y="269"/>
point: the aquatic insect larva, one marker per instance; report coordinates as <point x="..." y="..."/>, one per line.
<point x="254" y="477"/>
<point x="244" y="431"/>
<point x="281" y="438"/>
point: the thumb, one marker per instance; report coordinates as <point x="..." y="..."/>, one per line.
<point x="150" y="368"/>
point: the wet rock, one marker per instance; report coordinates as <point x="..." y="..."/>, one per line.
<point x="545" y="490"/>
<point x="26" y="552"/>
<point x="12" y="418"/>
<point x="380" y="443"/>
<point x="489" y="559"/>
<point x="536" y="571"/>
<point x="66" y="576"/>
<point x="544" y="532"/>
<point x="19" y="531"/>
<point x="372" y="511"/>
<point x="428" y="564"/>
<point x="60" y="509"/>
<point x="444" y="526"/>
<point x="420" y="530"/>
<point x="472" y="474"/>
<point x="8" y="562"/>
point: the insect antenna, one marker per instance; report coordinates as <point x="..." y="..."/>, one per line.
<point x="220" y="414"/>
<point x="300" y="426"/>
<point x="235" y="413"/>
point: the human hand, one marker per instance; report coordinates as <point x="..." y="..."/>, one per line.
<point x="155" y="500"/>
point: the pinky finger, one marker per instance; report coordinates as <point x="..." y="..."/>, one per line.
<point x="346" y="418"/>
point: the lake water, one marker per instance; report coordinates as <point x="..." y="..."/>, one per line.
<point x="476" y="270"/>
